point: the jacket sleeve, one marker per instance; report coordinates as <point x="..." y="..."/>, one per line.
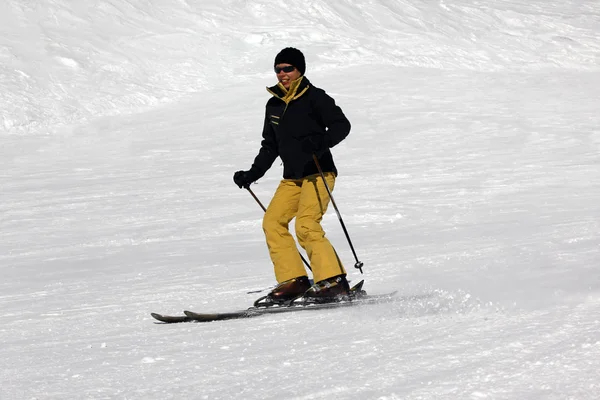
<point x="268" y="151"/>
<point x="333" y="118"/>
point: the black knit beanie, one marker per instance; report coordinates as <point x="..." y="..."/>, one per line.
<point x="292" y="56"/>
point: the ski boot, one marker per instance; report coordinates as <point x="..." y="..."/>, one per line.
<point x="329" y="290"/>
<point x="285" y="292"/>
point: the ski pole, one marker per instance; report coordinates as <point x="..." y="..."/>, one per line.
<point x="358" y="264"/>
<point x="265" y="210"/>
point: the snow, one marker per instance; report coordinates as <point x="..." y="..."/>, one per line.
<point x="471" y="180"/>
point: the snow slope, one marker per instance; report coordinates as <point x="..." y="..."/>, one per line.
<point x="471" y="178"/>
<point x="66" y="62"/>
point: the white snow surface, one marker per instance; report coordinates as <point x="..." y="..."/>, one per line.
<point x="471" y="179"/>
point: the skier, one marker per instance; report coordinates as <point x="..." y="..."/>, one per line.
<point x="300" y="120"/>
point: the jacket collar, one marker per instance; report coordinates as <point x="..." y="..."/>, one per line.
<point x="297" y="89"/>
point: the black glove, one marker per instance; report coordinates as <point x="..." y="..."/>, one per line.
<point x="314" y="145"/>
<point x="244" y="178"/>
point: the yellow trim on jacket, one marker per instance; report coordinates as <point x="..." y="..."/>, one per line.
<point x="289" y="94"/>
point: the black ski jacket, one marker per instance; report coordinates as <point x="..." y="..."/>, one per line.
<point x="292" y="116"/>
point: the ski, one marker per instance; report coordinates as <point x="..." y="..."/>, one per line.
<point x="192" y="316"/>
<point x="257" y="311"/>
<point x="171" y="319"/>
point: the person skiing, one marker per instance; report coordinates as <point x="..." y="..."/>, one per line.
<point x="301" y="120"/>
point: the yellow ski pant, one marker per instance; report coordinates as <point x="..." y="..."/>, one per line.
<point x="307" y="200"/>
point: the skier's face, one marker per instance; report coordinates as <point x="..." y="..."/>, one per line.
<point x="286" y="73"/>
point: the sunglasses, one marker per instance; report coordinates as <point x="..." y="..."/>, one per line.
<point x="289" y="68"/>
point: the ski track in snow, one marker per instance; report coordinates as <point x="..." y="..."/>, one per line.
<point x="470" y="180"/>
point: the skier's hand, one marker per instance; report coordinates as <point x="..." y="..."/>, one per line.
<point x="243" y="179"/>
<point x="314" y="145"/>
